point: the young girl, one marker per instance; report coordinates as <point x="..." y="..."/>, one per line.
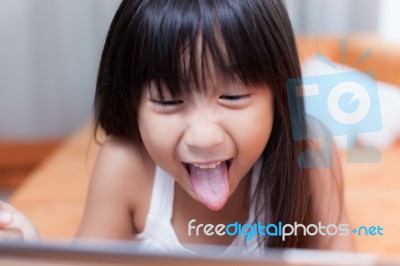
<point x="192" y="97"/>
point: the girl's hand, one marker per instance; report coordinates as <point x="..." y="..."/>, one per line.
<point x="15" y="226"/>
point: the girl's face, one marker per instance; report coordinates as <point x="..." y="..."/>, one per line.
<point x="207" y="141"/>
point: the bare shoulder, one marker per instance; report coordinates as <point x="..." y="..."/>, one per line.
<point x="119" y="190"/>
<point x="122" y="163"/>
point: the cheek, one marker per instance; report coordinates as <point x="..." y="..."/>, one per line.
<point x="263" y="121"/>
<point x="255" y="126"/>
<point x="255" y="136"/>
<point x="159" y="136"/>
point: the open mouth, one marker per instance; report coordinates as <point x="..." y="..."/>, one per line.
<point x="208" y="165"/>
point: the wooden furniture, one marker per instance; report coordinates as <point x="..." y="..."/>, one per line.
<point x="53" y="196"/>
<point x="19" y="158"/>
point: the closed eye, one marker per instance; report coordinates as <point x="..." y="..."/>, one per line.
<point x="167" y="103"/>
<point x="235" y="97"/>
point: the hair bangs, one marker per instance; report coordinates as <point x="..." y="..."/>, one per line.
<point x="201" y="42"/>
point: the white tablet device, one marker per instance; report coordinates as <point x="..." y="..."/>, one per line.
<point x="126" y="253"/>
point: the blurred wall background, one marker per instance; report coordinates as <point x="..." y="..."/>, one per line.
<point x="50" y="49"/>
<point x="334" y="17"/>
<point x="49" y="52"/>
<point x="344" y="17"/>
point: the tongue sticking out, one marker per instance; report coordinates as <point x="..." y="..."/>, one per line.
<point x="211" y="185"/>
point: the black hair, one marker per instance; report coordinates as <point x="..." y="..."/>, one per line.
<point x="250" y="40"/>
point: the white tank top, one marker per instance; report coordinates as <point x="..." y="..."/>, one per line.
<point x="159" y="235"/>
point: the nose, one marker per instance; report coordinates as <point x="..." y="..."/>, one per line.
<point x="204" y="136"/>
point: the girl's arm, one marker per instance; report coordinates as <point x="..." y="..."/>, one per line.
<point x="327" y="186"/>
<point x="114" y="192"/>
